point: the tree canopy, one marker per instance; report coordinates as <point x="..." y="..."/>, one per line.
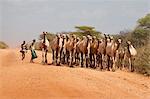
<point x="86" y="30"/>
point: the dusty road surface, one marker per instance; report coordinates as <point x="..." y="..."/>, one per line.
<point x="24" y="80"/>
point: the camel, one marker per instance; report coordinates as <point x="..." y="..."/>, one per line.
<point x="55" y="46"/>
<point x="93" y="51"/>
<point x="65" y="53"/>
<point x="69" y="47"/>
<point x="130" y="53"/>
<point x="111" y="50"/>
<point x="44" y="47"/>
<point x="62" y="43"/>
<point x="102" y="51"/>
<point x="76" y="51"/>
<point x="120" y="57"/>
<point x="84" y="48"/>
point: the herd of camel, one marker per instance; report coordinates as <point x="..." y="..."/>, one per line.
<point x="89" y="52"/>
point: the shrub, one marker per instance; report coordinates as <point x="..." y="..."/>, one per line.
<point x="142" y="60"/>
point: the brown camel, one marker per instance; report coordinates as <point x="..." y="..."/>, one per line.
<point x="93" y="52"/>
<point x="69" y="47"/>
<point x="102" y="51"/>
<point x="84" y="48"/>
<point x="130" y="53"/>
<point x="111" y="51"/>
<point x="55" y="46"/>
<point x="76" y="51"/>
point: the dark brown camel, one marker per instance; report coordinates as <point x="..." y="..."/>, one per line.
<point x="111" y="50"/>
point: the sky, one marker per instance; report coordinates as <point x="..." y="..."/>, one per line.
<point x="26" y="19"/>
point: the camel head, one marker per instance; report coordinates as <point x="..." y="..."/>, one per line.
<point x="64" y="36"/>
<point x="34" y="40"/>
<point x="89" y="37"/>
<point x="84" y="37"/>
<point x="94" y="37"/>
<point x="24" y="42"/>
<point x="119" y="41"/>
<point x="78" y="39"/>
<point x="111" y="37"/>
<point x="128" y="42"/>
<point x="44" y="33"/>
<point x="73" y="36"/>
<point x="104" y="35"/>
<point x="58" y="35"/>
<point x="108" y="40"/>
<point x="100" y="40"/>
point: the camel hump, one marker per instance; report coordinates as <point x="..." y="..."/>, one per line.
<point x="132" y="50"/>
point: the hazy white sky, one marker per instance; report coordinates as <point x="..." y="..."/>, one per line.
<point x="26" y="19"/>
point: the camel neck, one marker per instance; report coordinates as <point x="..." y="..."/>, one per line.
<point x="44" y="38"/>
<point x="128" y="46"/>
<point x="58" y="40"/>
<point x="118" y="45"/>
<point x="87" y="42"/>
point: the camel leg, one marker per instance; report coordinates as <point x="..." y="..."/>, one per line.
<point x="74" y="57"/>
<point x="71" y="59"/>
<point x="90" y="61"/>
<point x="114" y="64"/>
<point x="59" y="58"/>
<point x="61" y="53"/>
<point x="123" y="62"/>
<point x="101" y="60"/>
<point x="64" y="56"/>
<point x="56" y="56"/>
<point x="46" y="56"/>
<point x="130" y="64"/>
<point x="81" y="59"/>
<point x="67" y="57"/>
<point x="86" y="60"/>
<point x="42" y="56"/>
<point x="95" y="61"/>
<point x="77" y="58"/>
<point x="108" y="63"/>
<point x="53" y="57"/>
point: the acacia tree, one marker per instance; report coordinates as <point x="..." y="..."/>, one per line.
<point x="86" y="30"/>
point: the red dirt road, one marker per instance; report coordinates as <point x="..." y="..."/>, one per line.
<point x="24" y="80"/>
